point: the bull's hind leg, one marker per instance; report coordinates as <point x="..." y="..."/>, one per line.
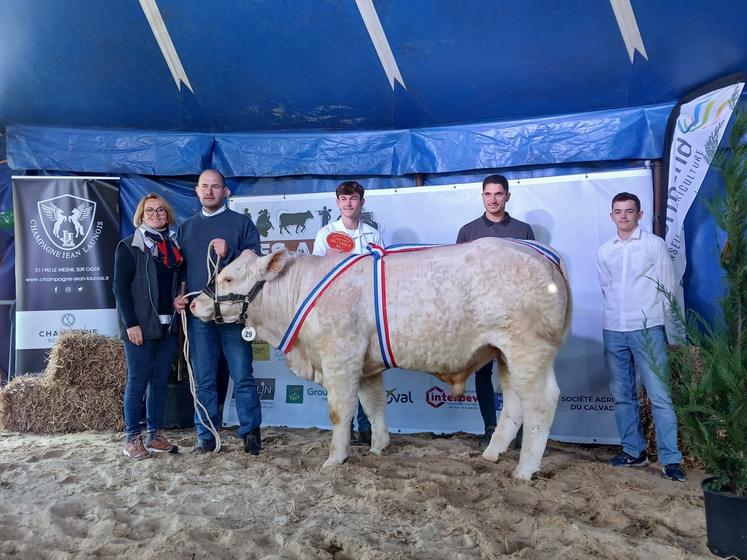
<point x="538" y="391"/>
<point x="373" y="399"/>
<point x="510" y="419"/>
<point x="342" y="388"/>
<point x="531" y="381"/>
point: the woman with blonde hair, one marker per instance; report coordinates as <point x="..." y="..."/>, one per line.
<point x="145" y="276"/>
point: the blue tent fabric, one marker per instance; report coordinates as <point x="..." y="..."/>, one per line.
<point x="107" y="151"/>
<point x="703" y="281"/>
<point x="305" y="65"/>
<point x="633" y="133"/>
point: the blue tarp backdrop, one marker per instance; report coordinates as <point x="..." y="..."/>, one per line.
<point x="634" y="133"/>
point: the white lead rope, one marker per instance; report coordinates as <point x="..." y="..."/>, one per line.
<point x="199" y="407"/>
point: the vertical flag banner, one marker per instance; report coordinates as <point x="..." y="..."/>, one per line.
<point x="694" y="131"/>
<point x="66" y="232"/>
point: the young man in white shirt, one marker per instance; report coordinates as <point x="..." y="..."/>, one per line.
<point x="629" y="267"/>
<point x="350" y="201"/>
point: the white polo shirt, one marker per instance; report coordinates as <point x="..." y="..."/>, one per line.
<point x="628" y="270"/>
<point x="362" y="236"/>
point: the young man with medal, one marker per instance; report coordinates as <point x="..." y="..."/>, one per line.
<point x="349" y="234"/>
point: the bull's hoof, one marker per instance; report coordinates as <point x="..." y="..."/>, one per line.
<point x="520" y="474"/>
<point x="490" y="455"/>
<point x="329" y="463"/>
<point x="377" y="448"/>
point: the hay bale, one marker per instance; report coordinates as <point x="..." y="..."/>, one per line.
<point x="81" y="389"/>
<point x="87" y="360"/>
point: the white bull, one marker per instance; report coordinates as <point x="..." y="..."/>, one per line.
<point x="451" y="309"/>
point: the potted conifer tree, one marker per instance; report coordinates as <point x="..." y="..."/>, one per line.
<point x="710" y="367"/>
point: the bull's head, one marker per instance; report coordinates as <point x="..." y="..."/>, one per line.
<point x="236" y="286"/>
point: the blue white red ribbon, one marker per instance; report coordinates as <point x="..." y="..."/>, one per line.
<point x="291" y="333"/>
<point x="543" y="250"/>
<point x="382" y="326"/>
<point x="379" y="282"/>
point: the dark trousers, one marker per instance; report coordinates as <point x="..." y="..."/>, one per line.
<point x="486" y="394"/>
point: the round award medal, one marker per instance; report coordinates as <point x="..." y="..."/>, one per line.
<point x="340" y="241"/>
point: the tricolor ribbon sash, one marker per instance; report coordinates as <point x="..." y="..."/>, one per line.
<point x="553" y="257"/>
<point x="291" y="333"/>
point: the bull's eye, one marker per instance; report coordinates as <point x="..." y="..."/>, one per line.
<point x="228" y="280"/>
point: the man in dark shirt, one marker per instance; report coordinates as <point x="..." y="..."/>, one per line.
<point x="226" y="233"/>
<point x="495" y="222"/>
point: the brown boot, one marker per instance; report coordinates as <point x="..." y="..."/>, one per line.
<point x="134" y="449"/>
<point x="157" y="443"/>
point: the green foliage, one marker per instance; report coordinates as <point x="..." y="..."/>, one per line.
<point x="709" y="389"/>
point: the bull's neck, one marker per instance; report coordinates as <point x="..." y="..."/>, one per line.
<point x="279" y="299"/>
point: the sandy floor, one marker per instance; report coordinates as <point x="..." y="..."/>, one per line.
<point x="77" y="496"/>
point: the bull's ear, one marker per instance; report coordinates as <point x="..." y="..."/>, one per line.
<point x="271" y="265"/>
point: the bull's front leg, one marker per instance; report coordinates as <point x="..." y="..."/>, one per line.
<point x="342" y="390"/>
<point x="373" y="399"/>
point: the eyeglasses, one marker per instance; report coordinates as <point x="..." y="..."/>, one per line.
<point x="152" y="211"/>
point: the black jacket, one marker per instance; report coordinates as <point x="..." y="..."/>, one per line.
<point x="136" y="292"/>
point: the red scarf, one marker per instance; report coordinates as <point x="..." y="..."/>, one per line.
<point x="168" y="253"/>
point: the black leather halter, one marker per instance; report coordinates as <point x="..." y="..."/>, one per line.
<point x="232" y="298"/>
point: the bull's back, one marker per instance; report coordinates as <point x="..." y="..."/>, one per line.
<point x="455" y="299"/>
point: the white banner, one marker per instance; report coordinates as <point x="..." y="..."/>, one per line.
<point x="695" y="129"/>
<point x="571" y="213"/>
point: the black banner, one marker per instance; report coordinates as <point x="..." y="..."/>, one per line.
<point x="66" y="232"/>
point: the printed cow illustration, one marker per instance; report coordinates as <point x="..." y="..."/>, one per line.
<point x="297" y="219"/>
<point x="449" y="310"/>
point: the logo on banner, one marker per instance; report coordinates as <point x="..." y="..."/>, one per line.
<point x="67" y="220"/>
<point x="68" y="320"/>
<point x="68" y="226"/>
<point x="294" y="394"/>
<point x="49" y="333"/>
<point x="316" y="392"/>
<point x="436" y="397"/>
<point x="392" y="396"/>
<point x="704" y="112"/>
<point x="265" y="388"/>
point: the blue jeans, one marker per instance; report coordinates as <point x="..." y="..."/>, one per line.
<point x="624" y="351"/>
<point x="148" y="367"/>
<point x="205" y="342"/>
<point x="363" y="423"/>
<point x="486" y="394"/>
